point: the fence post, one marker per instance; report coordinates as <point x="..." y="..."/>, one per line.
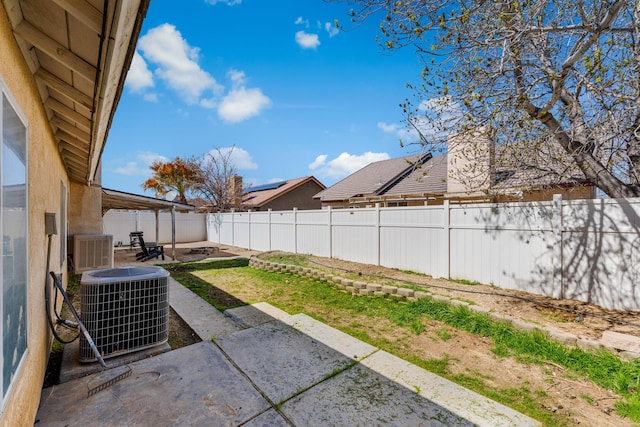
<point x="556" y="246"/>
<point x="295" y="230"/>
<point x="269" y="227"/>
<point x="447" y="238"/>
<point x="173" y="233"/>
<point x="378" y="233"/>
<point x="330" y="225"/>
<point x="249" y="228"/>
<point x="233" y="228"/>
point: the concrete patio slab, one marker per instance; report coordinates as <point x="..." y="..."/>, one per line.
<point x="255" y="314"/>
<point x="331" y="337"/>
<point x="194" y="385"/>
<point x="271" y="418"/>
<point x="449" y="396"/>
<point x="280" y="360"/>
<point x="283" y="371"/>
<point x="72" y="368"/>
<point x="204" y="319"/>
<point x="362" y="397"/>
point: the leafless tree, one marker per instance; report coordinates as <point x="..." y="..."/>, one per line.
<point x="217" y="173"/>
<point x="557" y="81"/>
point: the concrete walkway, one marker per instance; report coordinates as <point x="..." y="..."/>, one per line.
<point x="260" y="366"/>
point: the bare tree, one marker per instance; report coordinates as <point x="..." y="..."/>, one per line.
<point x="559" y="78"/>
<point x="217" y="176"/>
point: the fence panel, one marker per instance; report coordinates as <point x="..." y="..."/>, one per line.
<point x="283" y="233"/>
<point x="354" y="235"/>
<point x="312" y="233"/>
<point x="507" y="245"/>
<point x="241" y="236"/>
<point x="226" y="229"/>
<point x="413" y="239"/>
<point x="120" y="224"/>
<point x="190" y="227"/>
<point x="259" y="231"/>
<point x="601" y="252"/>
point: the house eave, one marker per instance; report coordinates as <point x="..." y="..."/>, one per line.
<point x="79" y="56"/>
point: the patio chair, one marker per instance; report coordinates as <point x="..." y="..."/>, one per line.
<point x="149" y="250"/>
<point x="134" y="238"/>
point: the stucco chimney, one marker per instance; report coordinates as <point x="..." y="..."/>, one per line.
<point x="235" y="191"/>
<point x="470" y="161"/>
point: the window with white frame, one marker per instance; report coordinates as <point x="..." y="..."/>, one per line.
<point x="14" y="231"/>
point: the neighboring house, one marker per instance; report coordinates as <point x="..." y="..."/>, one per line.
<point x="283" y="195"/>
<point x="468" y="173"/>
<point x="62" y="71"/>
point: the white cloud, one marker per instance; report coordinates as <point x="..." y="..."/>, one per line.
<point x="438" y="116"/>
<point x="331" y="29"/>
<point x="241" y="104"/>
<point x="240" y="158"/>
<point x="301" y="21"/>
<point x="345" y="164"/>
<point x="151" y="97"/>
<point x="274" y="180"/>
<point x="408" y="134"/>
<point x="237" y="77"/>
<point x="228" y="2"/>
<point x="140" y="166"/>
<point x="139" y="77"/>
<point x="319" y="161"/>
<point x="209" y="103"/>
<point x="306" y="40"/>
<point x="177" y="63"/>
<point x="389" y="127"/>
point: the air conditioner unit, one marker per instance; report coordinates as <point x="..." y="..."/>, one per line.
<point x="124" y="310"/>
<point x="92" y="251"/>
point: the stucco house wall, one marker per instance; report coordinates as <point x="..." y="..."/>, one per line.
<point x="300" y="197"/>
<point x="46" y="177"/>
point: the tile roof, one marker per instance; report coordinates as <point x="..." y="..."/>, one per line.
<point x="259" y="197"/>
<point x="374" y="178"/>
<point x="547" y="166"/>
<point x="430" y="178"/>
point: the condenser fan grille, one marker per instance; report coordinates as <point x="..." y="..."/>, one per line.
<point x="124" y="312"/>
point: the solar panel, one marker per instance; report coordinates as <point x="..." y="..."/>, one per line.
<point x="264" y="187"/>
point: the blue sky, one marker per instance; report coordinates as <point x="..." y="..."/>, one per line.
<point x="274" y="79"/>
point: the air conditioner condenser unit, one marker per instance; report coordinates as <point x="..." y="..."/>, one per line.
<point x="124" y="310"/>
<point x="92" y="251"/>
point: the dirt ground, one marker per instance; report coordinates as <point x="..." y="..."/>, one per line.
<point x="579" y="318"/>
<point x="577" y="401"/>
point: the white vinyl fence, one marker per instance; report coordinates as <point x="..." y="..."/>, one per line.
<point x="190" y="227"/>
<point x="587" y="250"/>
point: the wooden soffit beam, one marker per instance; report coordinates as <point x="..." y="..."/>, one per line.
<point x="81" y="147"/>
<point x="56" y="51"/>
<point x="68" y="113"/>
<point x="84" y="12"/>
<point x="64" y="88"/>
<point x="71" y="129"/>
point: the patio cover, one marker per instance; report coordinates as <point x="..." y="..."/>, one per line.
<point x="112" y="199"/>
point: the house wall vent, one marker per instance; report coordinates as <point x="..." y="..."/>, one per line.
<point x="124" y="310"/>
<point x="92" y="251"/>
